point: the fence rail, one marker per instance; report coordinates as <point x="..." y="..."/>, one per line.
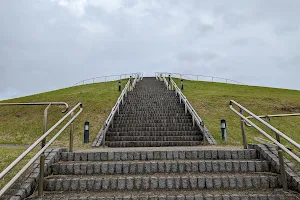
<point x="44" y="147"/>
<point x="278" y="135"/>
<point x="105" y="79"/>
<point x="273" y="116"/>
<point x="194" y="77"/>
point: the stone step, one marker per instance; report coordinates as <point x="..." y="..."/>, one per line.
<point x="152" y="117"/>
<point x="154" y="138"/>
<point x="160" y="181"/>
<point x="171" y="128"/>
<point x="196" y="194"/>
<point x="156" y="133"/>
<point x="153" y="121"/>
<point x="158" y="124"/>
<point x="152" y="143"/>
<point x="149" y="114"/>
<point x="167" y="166"/>
<point x="158" y="154"/>
<point x="150" y="111"/>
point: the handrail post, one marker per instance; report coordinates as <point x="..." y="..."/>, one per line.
<point x="42" y="170"/>
<point x="71" y="134"/>
<point x="42" y="156"/>
<point x="243" y="131"/>
<point x="281" y="165"/>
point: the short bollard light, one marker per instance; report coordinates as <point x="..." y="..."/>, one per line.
<point x="86" y="132"/>
<point x="119" y="85"/>
<point x="223" y="130"/>
<point x="181" y="84"/>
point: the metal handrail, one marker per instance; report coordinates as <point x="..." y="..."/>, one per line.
<point x="116" y="108"/>
<point x="188" y="107"/>
<point x="277" y="142"/>
<point x="4" y="172"/>
<point x="185" y="76"/>
<point x="37" y="104"/>
<point x="41" y="152"/>
<point x="276" y="115"/>
<point x="118" y="77"/>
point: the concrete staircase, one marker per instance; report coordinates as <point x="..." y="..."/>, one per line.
<point x="163" y="173"/>
<point x="152" y="116"/>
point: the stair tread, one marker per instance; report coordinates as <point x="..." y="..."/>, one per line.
<point x="159" y="193"/>
<point x="162" y="175"/>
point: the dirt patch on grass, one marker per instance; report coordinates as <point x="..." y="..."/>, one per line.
<point x="288" y="108"/>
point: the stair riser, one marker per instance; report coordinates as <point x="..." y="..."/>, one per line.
<point x="129" y="125"/>
<point x="153" y="138"/>
<point x="201" y="196"/>
<point x="163" y="183"/>
<point x="161" y="167"/>
<point x="160" y="155"/>
<point x="153" y="134"/>
<point x="152" y="144"/>
<point x="183" y="128"/>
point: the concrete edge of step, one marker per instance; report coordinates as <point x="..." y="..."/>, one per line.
<point x="28" y="183"/>
<point x="270" y="153"/>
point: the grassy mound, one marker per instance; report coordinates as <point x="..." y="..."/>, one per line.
<point x="211" y="101"/>
<point x="23" y="125"/>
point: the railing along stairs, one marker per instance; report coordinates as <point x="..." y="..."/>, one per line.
<point x="42" y="141"/>
<point x="171" y="85"/>
<point x="278" y="134"/>
<point x="105" y="78"/>
<point x="116" y="109"/>
<point x="194" y="77"/>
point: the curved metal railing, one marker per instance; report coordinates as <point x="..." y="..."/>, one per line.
<point x="116" y="108"/>
<point x="194" y="77"/>
<point x="278" y="134"/>
<point x="188" y="108"/>
<point x="105" y="79"/>
<point x="41" y="152"/>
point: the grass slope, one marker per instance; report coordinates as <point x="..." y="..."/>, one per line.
<point x="23" y="125"/>
<point x="211" y="101"/>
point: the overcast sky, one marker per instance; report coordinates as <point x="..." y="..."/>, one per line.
<point x="51" y="44"/>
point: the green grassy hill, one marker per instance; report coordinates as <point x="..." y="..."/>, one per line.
<point x="211" y="101"/>
<point x="23" y="125"/>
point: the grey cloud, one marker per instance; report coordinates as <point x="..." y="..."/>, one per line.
<point x="193" y="57"/>
<point x="45" y="46"/>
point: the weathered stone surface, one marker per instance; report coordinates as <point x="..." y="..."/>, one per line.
<point x="153" y="182"/>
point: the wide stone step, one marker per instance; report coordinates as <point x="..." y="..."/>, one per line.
<point x="153" y="121"/>
<point x="154" y="138"/>
<point x="195" y="194"/>
<point x="151" y="143"/>
<point x="155" y="166"/>
<point x="141" y="118"/>
<point x="170" y="114"/>
<point x="171" y="128"/>
<point x="154" y="134"/>
<point x="158" y="154"/>
<point x="158" y="124"/>
<point x="150" y="111"/>
<point x="160" y="181"/>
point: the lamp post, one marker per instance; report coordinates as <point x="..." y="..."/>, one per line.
<point x="181" y="84"/>
<point x="223" y="130"/>
<point x="86" y="132"/>
<point x="119" y="85"/>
